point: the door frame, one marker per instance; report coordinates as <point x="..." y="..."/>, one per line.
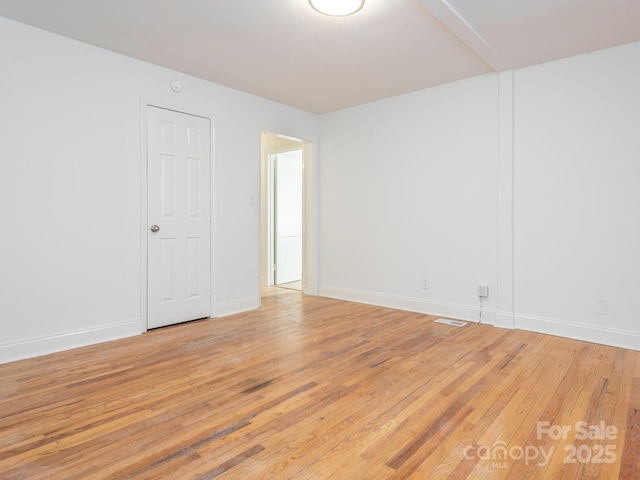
<point x="309" y="280"/>
<point x="144" y="174"/>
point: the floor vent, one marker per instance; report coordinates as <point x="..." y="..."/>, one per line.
<point x="456" y="323"/>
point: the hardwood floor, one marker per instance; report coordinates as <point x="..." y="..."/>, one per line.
<point x="297" y="285"/>
<point x="314" y="388"/>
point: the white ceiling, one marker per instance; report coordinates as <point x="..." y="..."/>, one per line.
<point x="285" y="51"/>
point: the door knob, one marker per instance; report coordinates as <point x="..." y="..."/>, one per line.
<point x="155" y="228"/>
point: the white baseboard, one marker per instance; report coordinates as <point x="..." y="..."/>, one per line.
<point x="237" y="306"/>
<point x="589" y="333"/>
<point x="440" y="309"/>
<point x="505" y="320"/>
<point x="35" y="347"/>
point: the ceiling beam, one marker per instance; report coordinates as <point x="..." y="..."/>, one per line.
<point x="456" y="23"/>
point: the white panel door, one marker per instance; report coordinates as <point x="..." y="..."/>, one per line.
<point x="288" y="217"/>
<point x="179" y="214"/>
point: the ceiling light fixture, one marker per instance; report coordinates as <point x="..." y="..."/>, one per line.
<point x="337" y="8"/>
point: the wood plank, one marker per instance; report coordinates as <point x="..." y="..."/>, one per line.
<point x="316" y="388"/>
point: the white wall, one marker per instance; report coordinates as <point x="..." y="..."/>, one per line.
<point x="577" y="200"/>
<point x="526" y="181"/>
<point x="70" y="207"/>
<point x="408" y="190"/>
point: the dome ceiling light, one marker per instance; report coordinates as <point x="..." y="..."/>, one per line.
<point x="337" y="8"/>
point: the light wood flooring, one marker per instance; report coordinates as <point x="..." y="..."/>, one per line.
<point x="315" y="388"/>
<point x="297" y="285"/>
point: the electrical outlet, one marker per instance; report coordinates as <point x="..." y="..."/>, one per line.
<point x="602" y="306"/>
<point x="483" y="291"/>
<point x="425" y="283"/>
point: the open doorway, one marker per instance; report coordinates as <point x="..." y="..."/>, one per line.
<point x="286" y="175"/>
<point x="282" y="213"/>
